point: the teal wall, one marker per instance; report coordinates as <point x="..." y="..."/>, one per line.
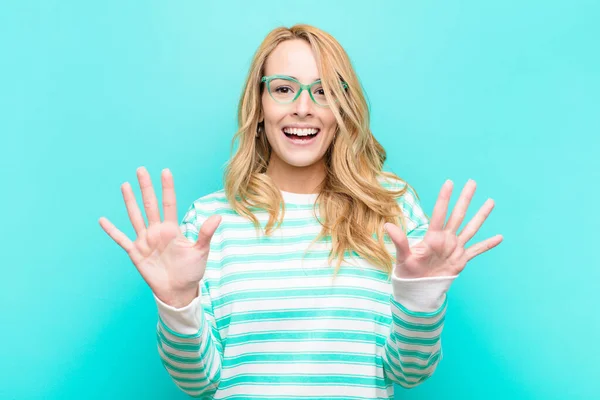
<point x="504" y="92"/>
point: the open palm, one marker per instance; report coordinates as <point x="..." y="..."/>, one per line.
<point x="442" y="252"/>
<point x="170" y="264"/>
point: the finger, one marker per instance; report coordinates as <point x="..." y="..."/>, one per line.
<point x="148" y="196"/>
<point x="441" y="207"/>
<point x="482" y="247"/>
<point x="400" y="241"/>
<point x="135" y="215"/>
<point x="120" y="238"/>
<point x="207" y="230"/>
<point x="460" y="210"/>
<point x="475" y="223"/>
<point x="169" y="202"/>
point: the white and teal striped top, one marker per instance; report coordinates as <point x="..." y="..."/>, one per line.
<point x="270" y="325"/>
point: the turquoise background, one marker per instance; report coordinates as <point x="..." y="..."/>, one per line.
<point x="504" y="92"/>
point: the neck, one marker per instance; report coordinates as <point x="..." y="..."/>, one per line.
<point x="302" y="180"/>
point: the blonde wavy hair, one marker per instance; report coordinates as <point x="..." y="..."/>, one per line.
<point x="353" y="203"/>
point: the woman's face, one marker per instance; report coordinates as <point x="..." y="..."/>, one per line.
<point x="295" y="58"/>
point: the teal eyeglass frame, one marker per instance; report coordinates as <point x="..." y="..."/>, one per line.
<point x="267" y="80"/>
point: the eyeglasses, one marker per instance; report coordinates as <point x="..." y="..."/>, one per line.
<point x="285" y="89"/>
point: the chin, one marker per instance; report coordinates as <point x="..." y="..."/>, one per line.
<point x="301" y="162"/>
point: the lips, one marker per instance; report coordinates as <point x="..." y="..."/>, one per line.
<point x="301" y="137"/>
<point x="300" y="131"/>
<point x="299" y="134"/>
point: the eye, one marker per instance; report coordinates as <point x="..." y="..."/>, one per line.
<point x="283" y="89"/>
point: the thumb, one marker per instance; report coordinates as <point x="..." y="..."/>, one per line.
<point x="207" y="230"/>
<point x="400" y="241"/>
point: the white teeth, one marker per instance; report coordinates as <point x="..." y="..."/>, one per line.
<point x="301" y="132"/>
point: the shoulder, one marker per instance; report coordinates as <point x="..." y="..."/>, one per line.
<point x="409" y="201"/>
<point x="394" y="183"/>
<point x="390" y="181"/>
<point x="207" y="205"/>
<point x="200" y="210"/>
<point x="211" y="201"/>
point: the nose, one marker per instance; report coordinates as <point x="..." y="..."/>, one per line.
<point x="303" y="105"/>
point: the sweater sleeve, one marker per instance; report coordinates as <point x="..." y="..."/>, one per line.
<point x="418" y="306"/>
<point x="188" y="342"/>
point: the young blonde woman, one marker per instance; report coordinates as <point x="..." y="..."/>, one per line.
<point x="312" y="273"/>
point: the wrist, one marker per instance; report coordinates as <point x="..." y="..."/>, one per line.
<point x="404" y="274"/>
<point x="181" y="298"/>
<point x="398" y="273"/>
<point x="425" y="294"/>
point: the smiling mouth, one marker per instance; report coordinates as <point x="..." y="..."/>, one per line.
<point x="301" y="134"/>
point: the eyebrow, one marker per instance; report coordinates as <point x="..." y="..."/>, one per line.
<point x="299" y="79"/>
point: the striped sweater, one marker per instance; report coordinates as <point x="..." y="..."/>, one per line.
<point x="270" y="324"/>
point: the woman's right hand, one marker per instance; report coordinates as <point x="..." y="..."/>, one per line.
<point x="169" y="262"/>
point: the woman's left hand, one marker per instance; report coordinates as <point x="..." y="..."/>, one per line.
<point x="442" y="252"/>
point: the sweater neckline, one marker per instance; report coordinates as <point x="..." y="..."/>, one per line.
<point x="298" y="198"/>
